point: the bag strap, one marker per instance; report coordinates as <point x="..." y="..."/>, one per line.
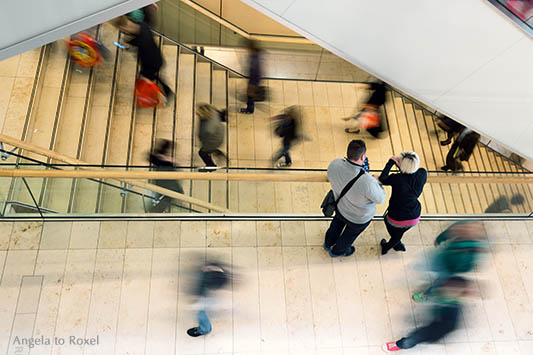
<point x="349" y="186"/>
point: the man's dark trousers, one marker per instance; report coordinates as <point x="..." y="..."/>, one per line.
<point x="342" y="233"/>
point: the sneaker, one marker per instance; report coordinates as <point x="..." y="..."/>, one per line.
<point x="399" y="247"/>
<point x="419" y="297"/>
<point x="207" y="169"/>
<point x="193" y="332"/>
<point x="348" y="253"/>
<point x="349" y="130"/>
<point x="382" y="243"/>
<point x="390" y="347"/>
<point x="283" y="164"/>
<point x="326" y="248"/>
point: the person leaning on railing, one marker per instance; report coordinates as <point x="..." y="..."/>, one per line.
<point x="404" y="208"/>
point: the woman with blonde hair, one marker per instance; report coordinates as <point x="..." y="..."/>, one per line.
<point x="404" y="208"/>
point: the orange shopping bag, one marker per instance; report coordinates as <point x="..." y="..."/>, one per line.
<point x="147" y="93"/>
<point x="369" y="119"/>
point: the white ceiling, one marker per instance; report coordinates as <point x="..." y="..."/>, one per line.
<point x="461" y="57"/>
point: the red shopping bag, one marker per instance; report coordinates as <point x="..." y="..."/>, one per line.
<point x="369" y="119"/>
<point x="147" y="93"/>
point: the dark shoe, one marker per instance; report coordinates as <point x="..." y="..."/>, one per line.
<point x="348" y="130"/>
<point x="193" y="332"/>
<point x="245" y="111"/>
<point x="384" y="248"/>
<point x="348" y="253"/>
<point x="446" y="142"/>
<point x="445" y="168"/>
<point x="399" y="247"/>
<point x="207" y="169"/>
<point x="325" y="247"/>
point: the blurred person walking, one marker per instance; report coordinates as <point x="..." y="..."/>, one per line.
<point x="149" y="53"/>
<point x="255" y="74"/>
<point x="211" y="277"/>
<point x="356" y="194"/>
<point x="404" y="208"/>
<point x="210" y="134"/>
<point x="444" y="315"/>
<point x="461" y="150"/>
<point x="287" y="127"/>
<point x="458" y="251"/>
<point x="451" y="127"/>
<point x="161" y="159"/>
<point x="369" y="117"/>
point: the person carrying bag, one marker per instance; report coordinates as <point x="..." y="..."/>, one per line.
<point x="329" y="204"/>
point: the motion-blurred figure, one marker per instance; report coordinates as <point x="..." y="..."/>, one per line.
<point x="461" y="150"/>
<point x="458" y="250"/>
<point x="404" y="208"/>
<point x="287" y="127"/>
<point x="149" y="54"/>
<point x="444" y="315"/>
<point x="451" y="127"/>
<point x="255" y="74"/>
<point x="161" y="159"/>
<point x="369" y="117"/>
<point x="503" y="204"/>
<point x="210" y="277"/>
<point x="210" y="133"/>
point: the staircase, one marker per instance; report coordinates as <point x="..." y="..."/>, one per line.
<point x="90" y="114"/>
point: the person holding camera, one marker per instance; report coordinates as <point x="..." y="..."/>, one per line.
<point x="404" y="208"/>
<point x="355" y="209"/>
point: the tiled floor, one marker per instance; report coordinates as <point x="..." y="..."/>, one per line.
<point x="125" y="284"/>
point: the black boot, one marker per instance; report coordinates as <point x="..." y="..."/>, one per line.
<point x="384" y="246"/>
<point x="399" y="247"/>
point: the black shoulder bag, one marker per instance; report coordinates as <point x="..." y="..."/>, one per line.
<point x="329" y="205"/>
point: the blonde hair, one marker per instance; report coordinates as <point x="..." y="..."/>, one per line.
<point x="409" y="163"/>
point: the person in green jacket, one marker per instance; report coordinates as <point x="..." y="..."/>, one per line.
<point x="459" y="249"/>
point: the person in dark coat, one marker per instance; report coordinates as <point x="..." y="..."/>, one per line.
<point x="370" y="113"/>
<point x="461" y="150"/>
<point x="255" y="74"/>
<point x="149" y="53"/>
<point x="287" y="128"/>
<point x="449" y="126"/>
<point x="210" y="133"/>
<point x="404" y="208"/>
<point x="161" y="159"/>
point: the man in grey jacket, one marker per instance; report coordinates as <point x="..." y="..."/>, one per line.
<point x="357" y="207"/>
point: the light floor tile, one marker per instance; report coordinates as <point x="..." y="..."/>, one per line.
<point x="56" y="235"/>
<point x="84" y="235"/>
<point x="75" y="299"/>
<point x="112" y="234"/>
<point x="140" y="234"/>
<point x="105" y="300"/>
<point x="26" y="235"/>
<point x="161" y="328"/>
<point x="193" y="234"/>
<point x="274" y="334"/>
<point x="167" y="234"/>
<point x="134" y="300"/>
<point x="325" y="309"/>
<point x="246" y="313"/>
<point x="299" y="307"/>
